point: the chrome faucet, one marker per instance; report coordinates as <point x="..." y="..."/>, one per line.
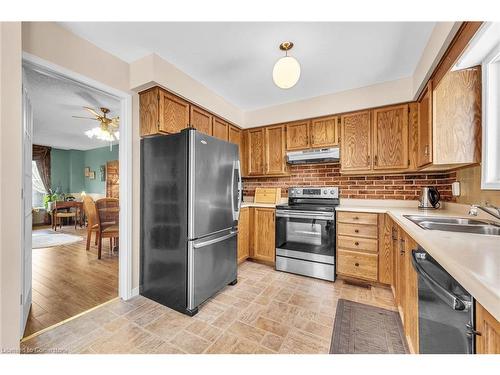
<point x="485" y="208"/>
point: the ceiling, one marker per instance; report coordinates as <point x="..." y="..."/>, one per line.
<point x="55" y="100"/>
<point x="235" y="60"/>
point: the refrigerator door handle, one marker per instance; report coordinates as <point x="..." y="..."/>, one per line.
<point x="215" y="240"/>
<point x="238" y="187"/>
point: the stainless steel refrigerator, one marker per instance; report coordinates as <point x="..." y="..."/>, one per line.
<point x="190" y="201"/>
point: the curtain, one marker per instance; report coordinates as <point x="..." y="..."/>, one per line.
<point x="37" y="179"/>
<point x="41" y="155"/>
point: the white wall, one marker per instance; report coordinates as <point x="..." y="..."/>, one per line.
<point x="351" y="100"/>
<point x="10" y="193"/>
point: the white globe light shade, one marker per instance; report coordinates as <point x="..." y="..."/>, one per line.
<point x="286" y="72"/>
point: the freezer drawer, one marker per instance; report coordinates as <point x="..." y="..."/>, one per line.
<point x="212" y="264"/>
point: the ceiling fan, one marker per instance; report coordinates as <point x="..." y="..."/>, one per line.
<point x="108" y="128"/>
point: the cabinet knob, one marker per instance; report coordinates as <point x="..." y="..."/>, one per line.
<point x="356" y="218"/>
<point x="356" y="264"/>
<point x="356" y="230"/>
<point x="356" y="243"/>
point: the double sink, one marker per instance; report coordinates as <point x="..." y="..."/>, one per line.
<point x="456" y="224"/>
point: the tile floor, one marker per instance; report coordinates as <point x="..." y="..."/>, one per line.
<point x="266" y="312"/>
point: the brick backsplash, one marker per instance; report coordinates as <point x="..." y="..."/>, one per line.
<point x="394" y="186"/>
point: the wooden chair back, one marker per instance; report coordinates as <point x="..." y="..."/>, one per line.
<point x="90" y="211"/>
<point x="108" y="212"/>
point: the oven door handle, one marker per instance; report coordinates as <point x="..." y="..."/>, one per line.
<point x="305" y="215"/>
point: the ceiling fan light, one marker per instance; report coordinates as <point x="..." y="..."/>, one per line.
<point x="101" y="134"/>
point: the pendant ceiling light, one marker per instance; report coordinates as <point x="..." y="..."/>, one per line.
<point x="286" y="72"/>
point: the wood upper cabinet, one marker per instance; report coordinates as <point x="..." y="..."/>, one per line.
<point x="324" y="132"/>
<point x="244" y="234"/>
<point x="263" y="244"/>
<point x="424" y="135"/>
<point x="234" y="135"/>
<point x="297" y="135"/>
<point x="162" y="112"/>
<point x="456" y="116"/>
<point x="356" y="142"/>
<point x="201" y="120"/>
<point x="275" y="150"/>
<point x="255" y="152"/>
<point x="489" y="327"/>
<point x="390" y="131"/>
<point x="220" y="129"/>
<point x="174" y="113"/>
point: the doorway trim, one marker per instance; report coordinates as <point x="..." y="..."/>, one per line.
<point x="125" y="156"/>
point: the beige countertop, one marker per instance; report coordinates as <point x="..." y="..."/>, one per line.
<point x="472" y="259"/>
<point x="252" y="204"/>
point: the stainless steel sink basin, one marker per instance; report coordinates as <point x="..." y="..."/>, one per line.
<point x="456" y="224"/>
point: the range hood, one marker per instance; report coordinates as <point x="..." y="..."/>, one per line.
<point x="320" y="155"/>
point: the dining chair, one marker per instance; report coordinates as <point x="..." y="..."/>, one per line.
<point x="90" y="211"/>
<point x="59" y="215"/>
<point x="108" y="212"/>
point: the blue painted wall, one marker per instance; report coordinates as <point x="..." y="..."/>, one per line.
<point x="67" y="169"/>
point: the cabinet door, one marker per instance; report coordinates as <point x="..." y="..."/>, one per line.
<point x="148" y="109"/>
<point x="457" y="118"/>
<point x="264" y="240"/>
<point x="324" y="132"/>
<point x="244" y="234"/>
<point x="411" y="307"/>
<point x="385" y="254"/>
<point x="275" y="150"/>
<point x="201" y="120"/>
<point x="424" y="141"/>
<point x="297" y="135"/>
<point x="220" y="129"/>
<point x="234" y="135"/>
<point x="356" y="144"/>
<point x="489" y="327"/>
<point x="255" y="152"/>
<point x="174" y="113"/>
<point x="390" y="131"/>
<point x="401" y="264"/>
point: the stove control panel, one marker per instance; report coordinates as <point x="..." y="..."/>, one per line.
<point x="313" y="192"/>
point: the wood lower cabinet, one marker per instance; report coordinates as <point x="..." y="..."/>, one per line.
<point x="297" y="136"/>
<point x="390" y="138"/>
<point x="244" y="235"/>
<point x="356" y="142"/>
<point x="357" y="245"/>
<point x="324" y="132"/>
<point x="489" y="328"/>
<point x="201" y="120"/>
<point x="263" y="236"/>
<point x="411" y="293"/>
<point x="385" y="257"/>
<point x="220" y="129"/>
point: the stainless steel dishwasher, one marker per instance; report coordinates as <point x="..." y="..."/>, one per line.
<point x="445" y="309"/>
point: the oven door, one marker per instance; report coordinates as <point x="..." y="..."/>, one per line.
<point x="307" y="235"/>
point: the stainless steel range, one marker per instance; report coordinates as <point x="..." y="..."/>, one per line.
<point x="305" y="232"/>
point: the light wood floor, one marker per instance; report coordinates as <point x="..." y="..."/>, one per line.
<point x="266" y="312"/>
<point x="68" y="280"/>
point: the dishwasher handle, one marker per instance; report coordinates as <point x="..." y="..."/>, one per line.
<point x="451" y="299"/>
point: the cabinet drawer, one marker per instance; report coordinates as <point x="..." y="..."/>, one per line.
<point x="357" y="218"/>
<point x="358" y="244"/>
<point x="357" y="230"/>
<point x="356" y="264"/>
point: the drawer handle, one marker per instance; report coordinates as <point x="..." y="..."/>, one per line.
<point x="356" y="264"/>
<point x="356" y="243"/>
<point x="356" y="230"/>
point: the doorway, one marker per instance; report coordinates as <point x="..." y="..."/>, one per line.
<point x="68" y="163"/>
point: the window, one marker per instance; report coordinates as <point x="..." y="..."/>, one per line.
<point x="38" y="190"/>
